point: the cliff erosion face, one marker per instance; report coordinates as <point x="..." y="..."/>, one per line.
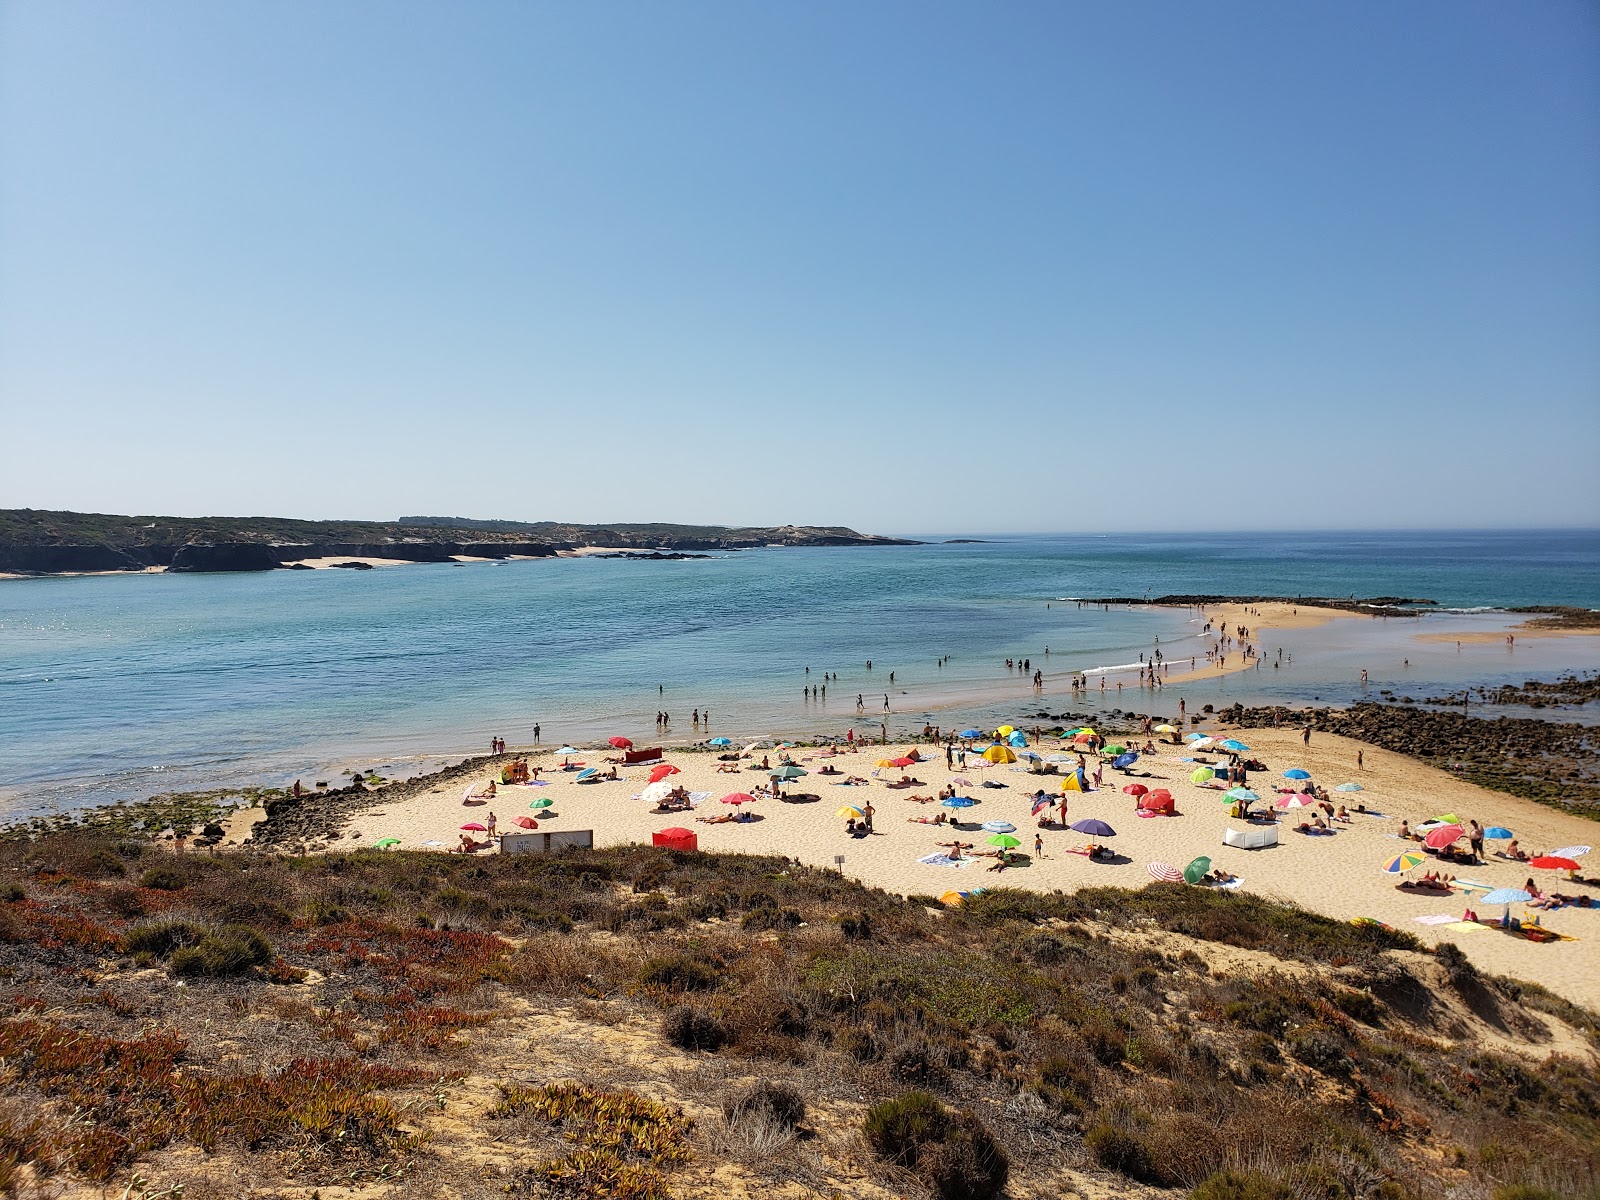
<point x="244" y="556"/>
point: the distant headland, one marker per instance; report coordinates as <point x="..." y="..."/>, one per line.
<point x="42" y="542"/>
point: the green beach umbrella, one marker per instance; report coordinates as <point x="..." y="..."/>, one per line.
<point x="542" y="802"/>
<point x="1202" y="775"/>
<point x="385" y="843"/>
<point x="790" y="772"/>
<point x="1114" y="750"/>
<point x="1005" y="841"/>
<point x="1197" y="870"/>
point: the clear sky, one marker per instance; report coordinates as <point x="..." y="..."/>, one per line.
<point x="916" y="266"/>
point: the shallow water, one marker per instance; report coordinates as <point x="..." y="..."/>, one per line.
<point x="116" y="687"/>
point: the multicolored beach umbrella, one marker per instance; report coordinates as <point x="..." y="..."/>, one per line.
<point x="848" y="812"/>
<point x="1403" y="862"/>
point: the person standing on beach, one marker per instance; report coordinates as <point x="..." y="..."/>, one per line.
<point x="1475" y="840"/>
<point x="1038" y="845"/>
<point x="867" y="812"/>
<point x="1305" y="736"/>
<point x="1361" y="760"/>
<point x="536" y="732"/>
<point x="886" y="702"/>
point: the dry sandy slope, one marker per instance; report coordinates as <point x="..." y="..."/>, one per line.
<point x="1335" y="875"/>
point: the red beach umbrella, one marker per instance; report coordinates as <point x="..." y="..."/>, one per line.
<point x="658" y="773"/>
<point x="902" y="762"/>
<point x="621" y="743"/>
<point x="1136" y="789"/>
<point x="738" y="798"/>
<point x="1160" y="794"/>
<point x="475" y="827"/>
<point x="1443" y="836"/>
<point x="676" y="832"/>
<point x="1551" y="862"/>
<point x="525" y="822"/>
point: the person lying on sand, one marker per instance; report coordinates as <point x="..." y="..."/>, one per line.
<point x="1221" y="876"/>
<point x="1423" y="885"/>
<point x="1514" y="851"/>
<point x="726" y="818"/>
<point x="727" y="768"/>
<point x="905" y="781"/>
<point x="938" y="820"/>
<point x="830" y="769"/>
<point x="918" y="799"/>
<point x="1093" y="851"/>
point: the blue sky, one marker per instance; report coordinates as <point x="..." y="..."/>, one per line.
<point x="902" y="266"/>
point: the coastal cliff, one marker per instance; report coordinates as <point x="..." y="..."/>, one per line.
<point x="40" y="542"/>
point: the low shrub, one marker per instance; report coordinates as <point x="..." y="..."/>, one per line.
<point x="951" y="1152"/>
<point x="680" y="973"/>
<point x="230" y="950"/>
<point x="691" y="1029"/>
<point x="164" y="879"/>
<point x="1241" y="1185"/>
<point x="161" y="938"/>
<point x="768" y="1101"/>
<point x="1318" y="1046"/>
<point x="1123" y="1151"/>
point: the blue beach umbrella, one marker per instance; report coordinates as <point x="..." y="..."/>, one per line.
<point x="586" y="774"/>
<point x="1236" y="746"/>
<point x="1349" y="787"/>
<point x="970" y="733"/>
<point x="1094" y="828"/>
<point x="719" y="742"/>
<point x="1194" y="737"/>
<point x="958" y="802"/>
<point x="1296" y="773"/>
<point x="1507" y="896"/>
<point x="1030" y="755"/>
<point x="1498" y="832"/>
<point x="1241" y="794"/>
<point x="1123" y="761"/>
<point x="999" y="827"/>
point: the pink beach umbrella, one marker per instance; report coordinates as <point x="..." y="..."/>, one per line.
<point x="1296" y="800"/>
<point x="738" y="798"/>
<point x="1438" y="839"/>
<point x="475" y="827"/>
<point x="1164" y="872"/>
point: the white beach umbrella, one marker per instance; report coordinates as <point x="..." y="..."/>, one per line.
<point x="655" y="793"/>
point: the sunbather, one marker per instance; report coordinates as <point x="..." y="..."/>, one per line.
<point x="1221" y="876"/>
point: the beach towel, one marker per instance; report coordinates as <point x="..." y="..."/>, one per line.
<point x="944" y="860"/>
<point x="1437" y="919"/>
<point x="698" y="798"/>
<point x="1465" y="927"/>
<point x="1470" y="885"/>
<point x="433" y="843"/>
<point x="1235" y="882"/>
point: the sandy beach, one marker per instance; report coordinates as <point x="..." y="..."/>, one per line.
<point x="1338" y="875"/>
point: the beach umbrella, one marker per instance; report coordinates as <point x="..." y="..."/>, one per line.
<point x="1165" y="729"/>
<point x="656" y="793"/>
<point x="1297" y="773"/>
<point x="677" y="831"/>
<point x="1061" y="758"/>
<point x="1043" y="804"/>
<point x="1235" y="745"/>
<point x="1203" y="743"/>
<point x="1507" y="895"/>
<point x="1240" y="793"/>
<point x="848" y="811"/>
<point x="585" y="775"/>
<point x="621" y="743"/>
<point x="756" y="745"/>
<point x="1157" y="798"/>
<point x="1197" y="870"/>
<point x="1202" y="775"/>
<point x="1000" y="754"/>
<point x="961" y="781"/>
<point x="1403" y="862"/>
<point x="541" y="802"/>
<point x="901" y="762"/>
<point x="567" y="750"/>
<point x="1114" y="748"/>
<point x="720" y="742"/>
<point x="1441" y="836"/>
<point x="1003" y="731"/>
<point x="1164" y="872"/>
<point x="525" y="822"/>
<point x="957" y="802"/>
<point x="1030" y="755"/>
<point x="1553" y="862"/>
<point x="953" y="899"/>
<point x="789" y="772"/>
<point x="970" y="733"/>
<point x="661" y="770"/>
<point x="1499" y="833"/>
<point x="1566" y="851"/>
<point x="738" y="798"/>
<point x="1196" y="737"/>
<point x="1094" y="828"/>
<point x="1297" y="800"/>
<point x="1349" y="787"/>
<point x="1135" y="789"/>
<point x="475" y="827"/>
<point x="1123" y="761"/>
<point x="885" y="763"/>
<point x="385" y="843"/>
<point x="1086" y="736"/>
<point x="1004" y="840"/>
<point x="999" y="826"/>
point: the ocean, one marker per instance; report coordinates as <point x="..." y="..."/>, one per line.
<point x="120" y="687"/>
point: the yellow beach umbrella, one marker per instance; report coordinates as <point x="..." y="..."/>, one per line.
<point x="1202" y="775"/>
<point x="887" y="763"/>
<point x="848" y="811"/>
<point x="1003" y="731"/>
<point x="1165" y="729"/>
<point x="1000" y="754"/>
<point x="952" y="898"/>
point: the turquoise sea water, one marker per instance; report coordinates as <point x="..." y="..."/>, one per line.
<point x="117" y="687"/>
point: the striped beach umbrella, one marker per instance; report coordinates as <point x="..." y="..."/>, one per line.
<point x="1403" y="862"/>
<point x="999" y="826"/>
<point x="1568" y="851"/>
<point x="1164" y="872"/>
